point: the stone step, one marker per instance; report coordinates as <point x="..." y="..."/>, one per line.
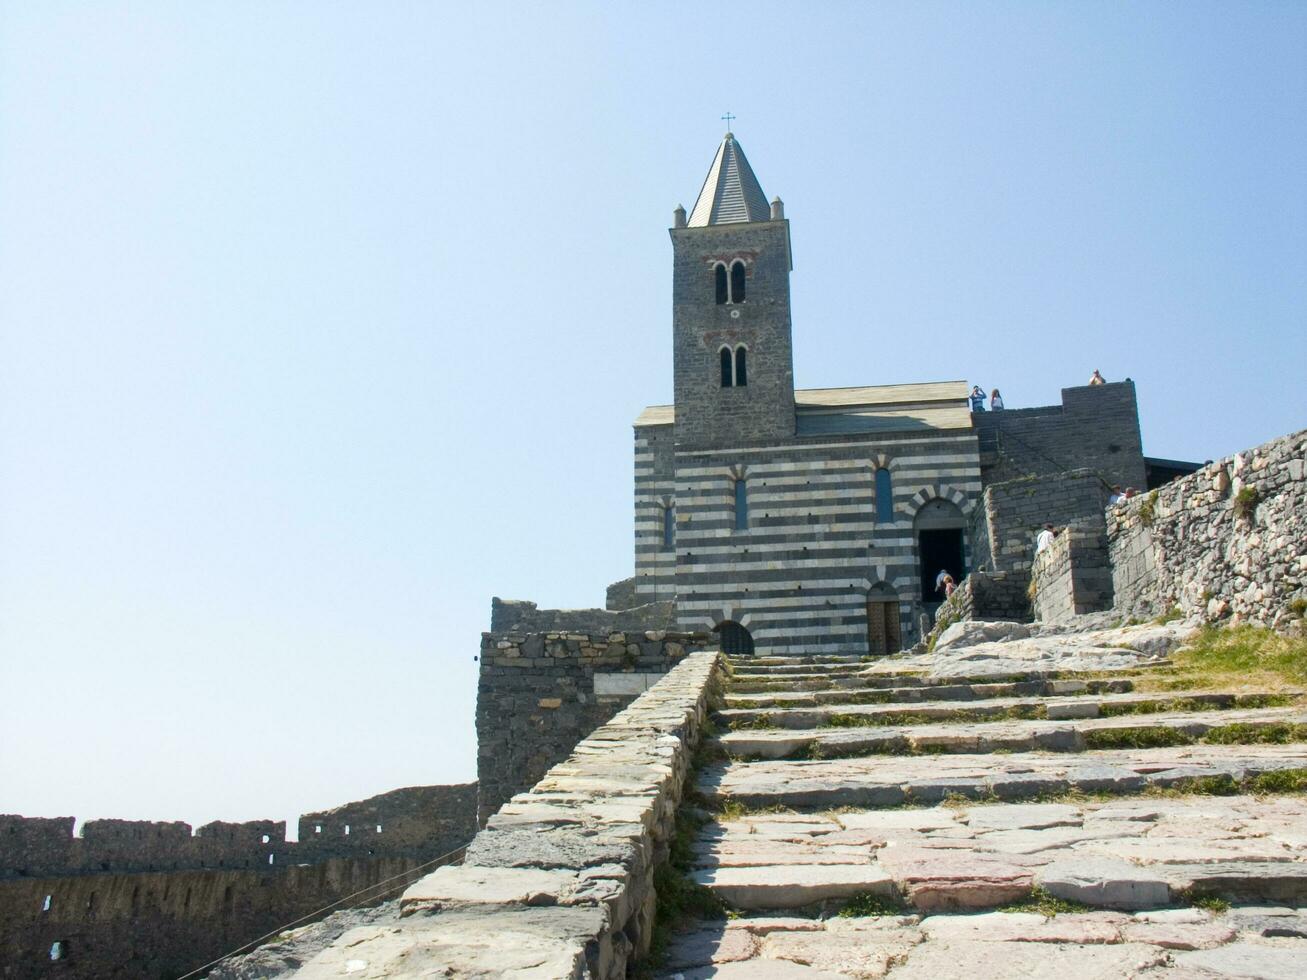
<point x="1077" y="735"/>
<point x="1051" y="709"/>
<point x="760" y="683"/>
<point x="922" y="780"/>
<point x="1184" y="942"/>
<point x="819" y="658"/>
<point x="1125" y="854"/>
<point x="803" y="669"/>
<point x="920" y="693"/>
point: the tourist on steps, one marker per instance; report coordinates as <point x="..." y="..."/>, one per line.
<point x="977" y="398"/>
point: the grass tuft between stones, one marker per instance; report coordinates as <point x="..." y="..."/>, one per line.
<point x="1041" y="902"/>
<point x="865" y="904"/>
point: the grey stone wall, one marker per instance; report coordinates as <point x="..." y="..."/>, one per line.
<point x="1072" y="576"/>
<point x="1095" y="428"/>
<point x="1229" y="541"/>
<point x="984" y="595"/>
<point x="621" y="595"/>
<point x="1015" y="511"/>
<point x="421" y="821"/>
<point x="521" y="616"/>
<point x="539" y="694"/>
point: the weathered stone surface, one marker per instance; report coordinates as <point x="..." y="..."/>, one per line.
<point x="1250" y="960"/>
<point x="789" y="887"/>
<point x="758" y="969"/>
<point x="932" y="880"/>
<point x="980" y="960"/>
<point x="1178" y="935"/>
<point x="711" y="945"/>
<point x="854" y="953"/>
<point x="1105" y="883"/>
<point x="450" y="887"/>
<point x="1029" y="816"/>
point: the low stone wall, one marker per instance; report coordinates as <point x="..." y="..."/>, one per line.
<point x="541" y="693"/>
<point x="561" y="881"/>
<point x="984" y="595"/>
<point x="1229" y="541"/>
<point x="1072" y="576"/>
<point x="621" y="595"/>
<point x="522" y="616"/>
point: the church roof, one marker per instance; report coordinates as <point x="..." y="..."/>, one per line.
<point x="730" y="192"/>
<point x="871" y="408"/>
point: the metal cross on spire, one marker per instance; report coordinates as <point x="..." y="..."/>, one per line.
<point x="729" y="119"/>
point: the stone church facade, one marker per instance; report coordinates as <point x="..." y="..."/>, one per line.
<point x="809" y="521"/>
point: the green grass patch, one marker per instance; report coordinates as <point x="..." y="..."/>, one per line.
<point x="1213" y="904"/>
<point x="1170" y="616"/>
<point x="757" y="723"/>
<point x="1280" y="733"/>
<point x="1042" y="903"/>
<point x="1281" y="781"/>
<point x="865" y="904"/>
<point x="1136" y="738"/>
<point x="1234" y="658"/>
<point x="1245" y="502"/>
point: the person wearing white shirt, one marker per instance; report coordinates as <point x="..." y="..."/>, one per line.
<point x="1045" y="538"/>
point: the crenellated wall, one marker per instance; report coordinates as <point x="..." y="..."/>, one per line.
<point x="1228" y="541"/>
<point x="539" y="694"/>
<point x="522" y="616"/>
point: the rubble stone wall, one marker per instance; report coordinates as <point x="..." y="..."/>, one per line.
<point x="1229" y="541"/>
<point x="1072" y="576"/>
<point x="539" y="694"/>
<point x="1016" y="510"/>
<point x="522" y="616"/>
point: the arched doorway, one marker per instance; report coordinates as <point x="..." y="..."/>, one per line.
<point x="736" y="641"/>
<point x="884" y="634"/>
<point x="939" y="528"/>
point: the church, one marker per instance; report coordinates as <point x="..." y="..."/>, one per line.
<point x="818" y="520"/>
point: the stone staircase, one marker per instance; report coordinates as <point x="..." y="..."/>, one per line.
<point x="862" y="821"/>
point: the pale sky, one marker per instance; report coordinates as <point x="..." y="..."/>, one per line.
<point x="322" y="323"/>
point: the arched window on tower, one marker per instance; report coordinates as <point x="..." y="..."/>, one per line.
<point x="737" y="281"/>
<point x="741" y="505"/>
<point x="669" y="527"/>
<point x="741" y="366"/>
<point x="719" y="275"/>
<point x="728" y="369"/>
<point x="884" y="496"/>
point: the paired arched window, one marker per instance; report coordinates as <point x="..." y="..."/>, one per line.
<point x="669" y="527"/>
<point x="735" y="366"/>
<point x="741" y="505"/>
<point x="728" y="283"/>
<point x="884" y="496"/>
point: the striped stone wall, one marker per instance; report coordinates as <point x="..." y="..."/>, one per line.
<point x="797" y="578"/>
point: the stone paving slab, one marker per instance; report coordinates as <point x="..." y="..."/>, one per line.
<point x="1119" y="854"/>
<point x="1083" y="706"/>
<point x="871" y="782"/>
<point x="1175" y="944"/>
<point x="1007" y="736"/>
<point x="792" y="698"/>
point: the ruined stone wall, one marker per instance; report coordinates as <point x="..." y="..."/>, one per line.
<point x="984" y="595"/>
<point x="1227" y="541"/>
<point x="1072" y="576"/>
<point x="138" y="898"/>
<point x="420" y="821"/>
<point x="159" y="926"/>
<point x="621" y="595"/>
<point x="521" y="616"/>
<point x="539" y="694"/>
<point x="1015" y="511"/>
<point x="1095" y="428"/>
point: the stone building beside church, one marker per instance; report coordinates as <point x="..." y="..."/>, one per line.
<point x="817" y="520"/>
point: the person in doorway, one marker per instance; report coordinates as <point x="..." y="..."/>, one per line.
<point x="1045" y="538"/>
<point x="939" y="579"/>
<point x="977" y="398"/>
<point x="995" y="400"/>
<point x="949" y="587"/>
<point x="1096" y="378"/>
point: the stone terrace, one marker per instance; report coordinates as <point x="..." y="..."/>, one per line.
<point x="1000" y="809"/>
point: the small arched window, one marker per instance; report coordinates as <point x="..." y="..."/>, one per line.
<point x="719" y="275"/>
<point x="728" y="369"/>
<point x="737" y="281"/>
<point x="884" y="496"/>
<point x="669" y="527"/>
<point x="741" y="366"/>
<point x="741" y="505"/>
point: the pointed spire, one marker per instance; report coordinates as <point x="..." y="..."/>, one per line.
<point x="730" y="192"/>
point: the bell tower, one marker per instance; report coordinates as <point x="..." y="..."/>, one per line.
<point x="732" y="357"/>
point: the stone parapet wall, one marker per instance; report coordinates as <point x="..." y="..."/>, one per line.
<point x="1072" y="576"/>
<point x="1229" y="541"/>
<point x="539" y="694"/>
<point x="621" y="595"/>
<point x="987" y="596"/>
<point x="522" y="616"/>
<point x="420" y="821"/>
<point x="560" y="883"/>
<point x="1015" y="511"/>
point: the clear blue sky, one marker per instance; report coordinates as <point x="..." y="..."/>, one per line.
<point x="322" y="323"/>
